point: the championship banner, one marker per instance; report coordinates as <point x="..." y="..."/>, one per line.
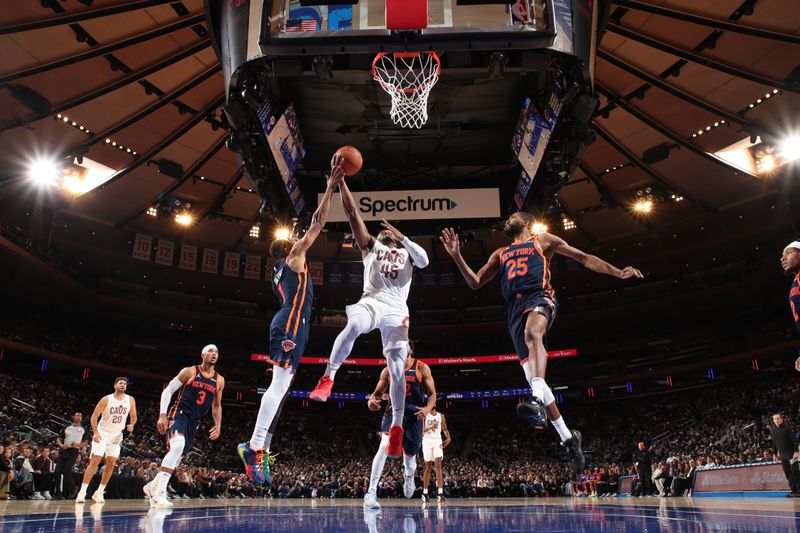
<point x="468" y="360"/>
<point x="164" y="252"/>
<point x="252" y="267"/>
<point x="417" y="205"/>
<point x="316" y="271"/>
<point x="757" y="477"/>
<point x="142" y="247"/>
<point x="210" y="264"/>
<point x="230" y="267"/>
<point x="188" y="259"/>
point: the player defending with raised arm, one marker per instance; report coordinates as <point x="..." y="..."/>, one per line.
<point x="790" y="261"/>
<point x="417" y="379"/>
<point x="524" y="268"/>
<point x="289" y="330"/>
<point x="432" y="451"/>
<point x="107" y="436"/>
<point x="389" y="263"/>
<point x="200" y="389"/>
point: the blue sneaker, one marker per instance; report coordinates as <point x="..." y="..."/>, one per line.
<point x="253" y="464"/>
<point x="533" y="412"/>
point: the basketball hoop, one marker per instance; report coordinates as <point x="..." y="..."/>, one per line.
<point x="408" y="78"/>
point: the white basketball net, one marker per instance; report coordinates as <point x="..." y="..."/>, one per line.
<point x="408" y="78"/>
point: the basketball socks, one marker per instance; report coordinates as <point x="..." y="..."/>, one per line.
<point x="542" y="392"/>
<point x="101" y="488"/>
<point x="270" y="404"/>
<point x="396" y="364"/>
<point x="561" y="427"/>
<point x="162" y="480"/>
<point x="84" y="488"/>
<point x="377" y="464"/>
<point x="409" y="464"/>
<point x="358" y="323"/>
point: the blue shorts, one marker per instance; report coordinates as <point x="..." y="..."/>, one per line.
<point x="412" y="429"/>
<point x="518" y="317"/>
<point x="183" y="425"/>
<point x="286" y="345"/>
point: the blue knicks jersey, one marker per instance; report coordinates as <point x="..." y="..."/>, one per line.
<point x="294" y="291"/>
<point x="196" y="396"/>
<point x="794" y="300"/>
<point x="415" y="390"/>
<point x="525" y="270"/>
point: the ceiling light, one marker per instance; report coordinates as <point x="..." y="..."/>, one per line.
<point x="539" y="228"/>
<point x="255" y="231"/>
<point x="282" y="234"/>
<point x="765" y="164"/>
<point x="183" y="219"/>
<point x="152" y="211"/>
<point x="44" y="172"/>
<point x="643" y="206"/>
<point x="790" y="148"/>
<point x="568" y="224"/>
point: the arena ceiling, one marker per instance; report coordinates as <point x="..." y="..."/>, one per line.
<point x="131" y="83"/>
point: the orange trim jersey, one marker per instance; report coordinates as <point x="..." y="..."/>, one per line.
<point x="525" y="270"/>
<point x="794" y="300"/>
<point x="196" y="397"/>
<point x="295" y="292"/>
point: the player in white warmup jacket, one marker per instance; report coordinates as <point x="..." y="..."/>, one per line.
<point x="389" y="262"/>
<point x="113" y="411"/>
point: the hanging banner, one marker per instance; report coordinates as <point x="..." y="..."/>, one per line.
<point x="316" y="271"/>
<point x="165" y="251"/>
<point x="230" y="267"/>
<point x="252" y="267"/>
<point x="188" y="259"/>
<point x="142" y="247"/>
<point x="210" y="264"/>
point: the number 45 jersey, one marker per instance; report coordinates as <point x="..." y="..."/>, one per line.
<point x="388" y="273"/>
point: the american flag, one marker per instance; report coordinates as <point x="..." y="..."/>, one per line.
<point x="301" y="25"/>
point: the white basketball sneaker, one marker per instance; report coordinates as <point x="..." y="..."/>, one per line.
<point x="80" y="498"/>
<point x="98" y="496"/>
<point x="371" y="501"/>
<point x="409" y="487"/>
<point x="161" y="502"/>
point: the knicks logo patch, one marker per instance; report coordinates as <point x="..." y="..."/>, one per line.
<point x="288" y="345"/>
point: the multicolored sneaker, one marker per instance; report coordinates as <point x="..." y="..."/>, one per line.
<point x="395" y="446"/>
<point x="267" y="458"/>
<point x="253" y="464"/>
<point x="323" y="389"/>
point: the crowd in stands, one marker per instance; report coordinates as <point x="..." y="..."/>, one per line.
<point x="330" y="456"/>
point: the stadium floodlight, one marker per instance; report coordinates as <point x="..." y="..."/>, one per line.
<point x="44" y="172"/>
<point x="283" y="234"/>
<point x="255" y="231"/>
<point x="539" y="228"/>
<point x="184" y="219"/>
<point x="643" y="207"/>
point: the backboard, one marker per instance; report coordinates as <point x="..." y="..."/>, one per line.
<point x="291" y="28"/>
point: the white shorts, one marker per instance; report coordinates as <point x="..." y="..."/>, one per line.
<point x="432" y="449"/>
<point x="390" y="318"/>
<point x="109" y="445"/>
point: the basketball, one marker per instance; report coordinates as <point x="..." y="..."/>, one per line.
<point x="352" y="159"/>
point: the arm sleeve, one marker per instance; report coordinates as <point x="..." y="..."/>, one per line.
<point x="417" y="253"/>
<point x="166" y="395"/>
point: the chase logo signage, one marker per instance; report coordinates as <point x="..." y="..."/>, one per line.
<point x="415" y="205"/>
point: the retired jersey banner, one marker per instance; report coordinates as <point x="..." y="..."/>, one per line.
<point x="164" y="252"/>
<point x="188" y="258"/>
<point x="142" y="247"/>
<point x="252" y="267"/>
<point x="466" y="360"/>
<point x="416" y="205"/>
<point x="230" y="267"/>
<point x="316" y="271"/>
<point x="210" y="264"/>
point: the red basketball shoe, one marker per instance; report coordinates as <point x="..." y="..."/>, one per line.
<point x="322" y="390"/>
<point x="395" y="446"/>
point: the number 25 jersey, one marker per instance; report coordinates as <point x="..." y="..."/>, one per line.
<point x="525" y="271"/>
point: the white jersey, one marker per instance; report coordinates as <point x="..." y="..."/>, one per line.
<point x="114" y="415"/>
<point x="432" y="430"/>
<point x="387" y="274"/>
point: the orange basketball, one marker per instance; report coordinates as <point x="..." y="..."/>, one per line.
<point x="352" y="159"/>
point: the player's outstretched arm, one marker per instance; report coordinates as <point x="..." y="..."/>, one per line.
<point x="419" y="257"/>
<point x="133" y="416"/>
<point x="447" y="439"/>
<point x="558" y="245"/>
<point x="427" y="380"/>
<point x="216" y="409"/>
<point x="484" y="275"/>
<point x="374" y="401"/>
<point x="359" y="229"/>
<point x="98" y="410"/>
<point x="318" y="219"/>
<point x="166" y="395"/>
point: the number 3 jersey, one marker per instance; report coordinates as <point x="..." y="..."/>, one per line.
<point x="525" y="271"/>
<point x="387" y="274"/>
<point x="196" y="396"/>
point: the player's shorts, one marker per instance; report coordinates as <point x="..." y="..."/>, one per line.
<point x="538" y="302"/>
<point x="109" y="445"/>
<point x="412" y="428"/>
<point x="183" y="425"/>
<point x="432" y="449"/>
<point x="287" y="344"/>
<point x="390" y="318"/>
